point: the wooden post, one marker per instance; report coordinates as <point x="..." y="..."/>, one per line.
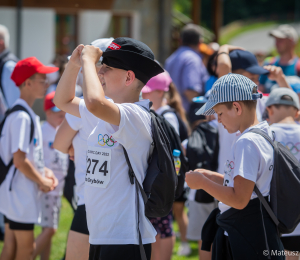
<point x="217" y="17"/>
<point x="196" y="14"/>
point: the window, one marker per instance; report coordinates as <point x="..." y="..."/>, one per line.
<point x="120" y="26"/>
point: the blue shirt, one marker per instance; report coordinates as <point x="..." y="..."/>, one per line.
<point x="288" y="70"/>
<point x="11" y="91"/>
<point x="187" y="72"/>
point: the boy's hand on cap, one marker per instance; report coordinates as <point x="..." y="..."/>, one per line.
<point x="276" y="73"/>
<point x="194" y="179"/>
<point x="75" y="57"/>
<point x="91" y="53"/>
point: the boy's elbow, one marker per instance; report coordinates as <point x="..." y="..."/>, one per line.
<point x="241" y="204"/>
<point x="18" y="160"/>
<point x="93" y="105"/>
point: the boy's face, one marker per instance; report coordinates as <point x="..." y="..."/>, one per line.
<point x="251" y="76"/>
<point x="55" y="118"/>
<point x="112" y="80"/>
<point x="229" y="118"/>
<point x="39" y="85"/>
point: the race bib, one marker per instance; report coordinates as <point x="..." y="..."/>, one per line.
<point x="98" y="167"/>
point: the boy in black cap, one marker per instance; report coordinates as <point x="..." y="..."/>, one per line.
<point x="111" y="201"/>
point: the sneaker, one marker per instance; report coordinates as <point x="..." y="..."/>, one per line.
<point x="184" y="249"/>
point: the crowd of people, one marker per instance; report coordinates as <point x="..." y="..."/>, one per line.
<point x="97" y="106"/>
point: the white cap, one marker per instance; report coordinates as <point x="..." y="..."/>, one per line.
<point x="285" y="31"/>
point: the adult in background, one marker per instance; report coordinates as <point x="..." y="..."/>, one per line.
<point x="186" y="67"/>
<point x="286" y="38"/>
<point x="9" y="93"/>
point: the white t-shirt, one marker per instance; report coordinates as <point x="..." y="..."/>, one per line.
<point x="226" y="140"/>
<point x="21" y="204"/>
<point x="55" y="160"/>
<point x="170" y="116"/>
<point x="110" y="198"/>
<point x="289" y="136"/>
<point x="251" y="157"/>
<point x="84" y="126"/>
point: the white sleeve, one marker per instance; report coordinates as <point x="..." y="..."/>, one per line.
<point x="172" y="119"/>
<point x="246" y="159"/>
<point x="20" y="128"/>
<point x="83" y="111"/>
<point x="74" y="122"/>
<point x="134" y="121"/>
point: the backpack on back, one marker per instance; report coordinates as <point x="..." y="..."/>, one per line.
<point x="3" y="167"/>
<point x="285" y="187"/>
<point x="202" y="152"/>
<point x="175" y="143"/>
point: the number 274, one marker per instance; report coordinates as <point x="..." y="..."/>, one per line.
<point x="103" y="167"/>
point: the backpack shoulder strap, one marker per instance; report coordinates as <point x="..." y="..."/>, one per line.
<point x="21" y="108"/>
<point x="138" y="188"/>
<point x="298" y="67"/>
<point x="170" y="110"/>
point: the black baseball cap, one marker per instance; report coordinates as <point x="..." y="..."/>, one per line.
<point x="130" y="54"/>
<point x="247" y="61"/>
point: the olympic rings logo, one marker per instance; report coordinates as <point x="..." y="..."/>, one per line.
<point x="230" y="165"/>
<point x="106" y="140"/>
<point x="294" y="148"/>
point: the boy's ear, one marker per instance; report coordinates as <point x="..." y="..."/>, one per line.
<point x="130" y="77"/>
<point x="237" y="107"/>
<point x="270" y="110"/>
<point x="297" y="114"/>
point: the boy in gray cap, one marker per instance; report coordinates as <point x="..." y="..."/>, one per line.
<point x="283" y="108"/>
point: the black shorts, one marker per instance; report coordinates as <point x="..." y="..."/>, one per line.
<point x="117" y="252"/>
<point x="291" y="243"/>
<point x="79" y="223"/>
<point x="17" y="225"/>
<point x="182" y="197"/>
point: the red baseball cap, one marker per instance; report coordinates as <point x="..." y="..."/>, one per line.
<point x="25" y="68"/>
<point x="48" y="102"/>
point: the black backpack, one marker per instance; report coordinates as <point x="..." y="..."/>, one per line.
<point x="3" y="167"/>
<point x="160" y="183"/>
<point x="202" y="152"/>
<point x="175" y="143"/>
<point x="183" y="132"/>
<point x="285" y="187"/>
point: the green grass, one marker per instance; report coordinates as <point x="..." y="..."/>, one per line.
<point x="60" y="238"/>
<point x="237" y="28"/>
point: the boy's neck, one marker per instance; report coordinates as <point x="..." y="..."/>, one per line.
<point x="27" y="97"/>
<point x="51" y="124"/>
<point x="249" y="120"/>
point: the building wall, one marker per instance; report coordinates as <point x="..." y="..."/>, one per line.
<point x="148" y="23"/>
<point x="38" y="31"/>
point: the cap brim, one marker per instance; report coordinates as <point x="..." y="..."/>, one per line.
<point x="146" y="89"/>
<point x="256" y="69"/>
<point x="277" y="34"/>
<point x="148" y="64"/>
<point x="207" y="109"/>
<point x="46" y="69"/>
<point x="55" y="109"/>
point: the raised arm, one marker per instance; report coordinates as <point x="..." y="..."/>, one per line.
<point x="64" y="97"/>
<point x="223" y="60"/>
<point x="64" y="137"/>
<point x="93" y="93"/>
<point x="277" y="75"/>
